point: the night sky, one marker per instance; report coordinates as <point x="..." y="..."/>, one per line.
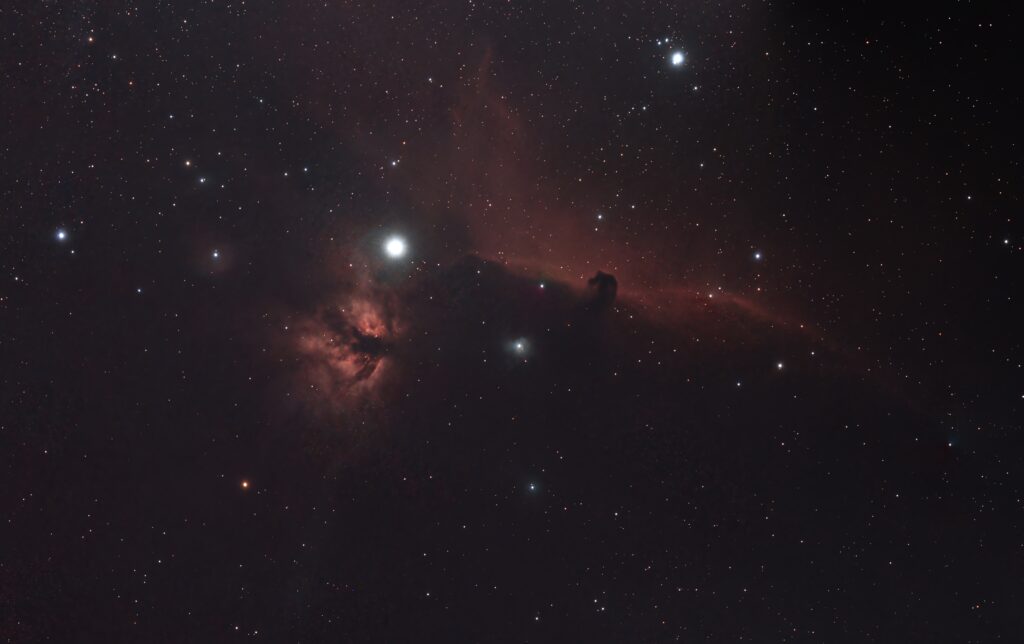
<point x="394" y="321"/>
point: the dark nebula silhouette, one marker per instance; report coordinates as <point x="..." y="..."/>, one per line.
<point x="605" y="288"/>
<point x="726" y="350"/>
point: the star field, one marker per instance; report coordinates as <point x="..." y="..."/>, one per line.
<point x="499" y="321"/>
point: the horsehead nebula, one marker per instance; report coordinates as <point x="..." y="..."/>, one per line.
<point x="337" y="321"/>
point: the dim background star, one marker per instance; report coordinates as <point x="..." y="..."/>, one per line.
<point x="397" y="321"/>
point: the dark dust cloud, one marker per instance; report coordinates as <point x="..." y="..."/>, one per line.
<point x="510" y="322"/>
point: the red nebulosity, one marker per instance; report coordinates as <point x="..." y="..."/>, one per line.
<point x="500" y="173"/>
<point x="499" y="165"/>
<point x="494" y="167"/>
<point x="367" y="319"/>
<point x="344" y="349"/>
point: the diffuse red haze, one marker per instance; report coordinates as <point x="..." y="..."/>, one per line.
<point x="344" y="347"/>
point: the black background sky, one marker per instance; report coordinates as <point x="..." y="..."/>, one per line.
<point x="228" y="415"/>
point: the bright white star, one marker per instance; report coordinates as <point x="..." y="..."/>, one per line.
<point x="395" y="247"/>
<point x="677" y="58"/>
